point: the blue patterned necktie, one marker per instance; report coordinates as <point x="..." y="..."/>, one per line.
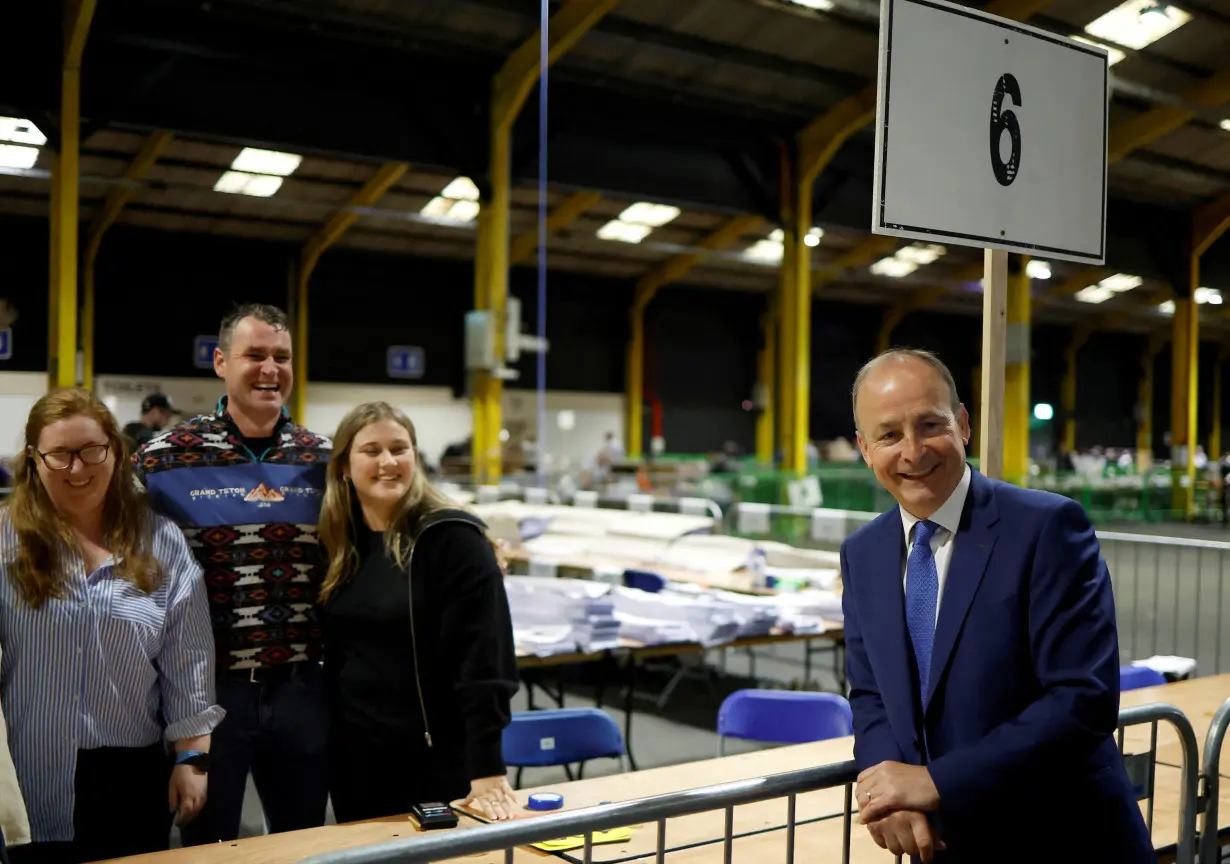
<point x="922" y="589"/>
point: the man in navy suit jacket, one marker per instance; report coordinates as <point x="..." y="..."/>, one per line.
<point x="984" y="664"/>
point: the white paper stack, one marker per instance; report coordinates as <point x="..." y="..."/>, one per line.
<point x="711" y="621"/>
<point x="808" y="611"/>
<point x="544" y="641"/>
<point x="584" y="607"/>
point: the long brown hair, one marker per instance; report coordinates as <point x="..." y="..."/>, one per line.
<point x="340" y="509"/>
<point x="42" y="532"/>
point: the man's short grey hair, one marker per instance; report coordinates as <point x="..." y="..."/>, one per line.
<point x="271" y="315"/>
<point x="929" y="357"/>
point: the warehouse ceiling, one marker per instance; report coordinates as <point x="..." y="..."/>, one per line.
<point x="684" y="104"/>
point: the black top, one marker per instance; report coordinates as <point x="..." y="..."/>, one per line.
<point x="466" y="659"/>
<point x="368" y="626"/>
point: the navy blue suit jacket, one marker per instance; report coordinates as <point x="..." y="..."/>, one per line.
<point x="1023" y="694"/>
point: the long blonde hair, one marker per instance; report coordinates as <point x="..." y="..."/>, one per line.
<point x="340" y="511"/>
<point x="41" y="530"/>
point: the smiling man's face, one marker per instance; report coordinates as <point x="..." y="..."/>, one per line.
<point x="256" y="366"/>
<point x="909" y="433"/>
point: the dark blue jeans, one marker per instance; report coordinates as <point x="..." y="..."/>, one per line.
<point x="276" y="727"/>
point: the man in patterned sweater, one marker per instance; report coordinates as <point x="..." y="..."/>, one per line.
<point x="245" y="484"/>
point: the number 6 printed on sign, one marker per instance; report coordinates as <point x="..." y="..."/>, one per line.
<point x="1001" y="119"/>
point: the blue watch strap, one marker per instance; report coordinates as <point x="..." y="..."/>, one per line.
<point x="184" y="755"/>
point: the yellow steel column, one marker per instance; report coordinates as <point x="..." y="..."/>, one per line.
<point x="1144" y="407"/>
<point x="53" y="304"/>
<point x="1215" y="430"/>
<point x="509" y="90"/>
<point x="1185" y="350"/>
<point x="1067" y="394"/>
<point x="795" y="458"/>
<point x="103" y="219"/>
<point x="785" y="337"/>
<point x="765" y="381"/>
<point x="1016" y="375"/>
<point x="65" y="171"/>
<point x="636" y="376"/>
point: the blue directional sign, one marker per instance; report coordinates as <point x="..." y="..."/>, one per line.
<point x="405" y="361"/>
<point x="6" y="344"/>
<point x="203" y="351"/>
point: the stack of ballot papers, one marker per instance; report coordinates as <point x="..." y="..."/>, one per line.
<point x="707" y="620"/>
<point x="540" y="606"/>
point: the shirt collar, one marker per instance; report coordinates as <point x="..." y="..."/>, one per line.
<point x="948" y="516"/>
<point x="222" y="414"/>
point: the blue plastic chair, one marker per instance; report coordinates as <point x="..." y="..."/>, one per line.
<point x="538" y="739"/>
<point x="1136" y="677"/>
<point x="645" y="580"/>
<point x="783" y="717"/>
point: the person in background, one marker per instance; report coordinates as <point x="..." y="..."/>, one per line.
<point x="983" y="654"/>
<point x="157" y="412"/>
<point x="245" y="484"/>
<point x="419" y="653"/>
<point x="108" y="655"/>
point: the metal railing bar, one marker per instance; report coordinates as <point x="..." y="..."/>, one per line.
<point x="1210" y="842"/>
<point x="1159" y="540"/>
<point x="521" y="832"/>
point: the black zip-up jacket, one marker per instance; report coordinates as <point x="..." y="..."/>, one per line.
<point x="462" y="659"/>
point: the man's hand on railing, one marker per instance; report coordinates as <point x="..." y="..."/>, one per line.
<point x="892" y="786"/>
<point x="906" y="832"/>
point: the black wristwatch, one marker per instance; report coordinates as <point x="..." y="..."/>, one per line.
<point x="195" y="758"/>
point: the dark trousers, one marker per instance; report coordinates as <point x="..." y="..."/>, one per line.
<point x="368" y="779"/>
<point x="277" y="728"/>
<point x="4" y="852"/>
<point x="121" y="809"/>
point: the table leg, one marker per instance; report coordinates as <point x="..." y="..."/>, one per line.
<point x="629" y="705"/>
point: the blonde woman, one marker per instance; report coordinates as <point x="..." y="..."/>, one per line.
<point x="108" y="654"/>
<point x="419" y="657"/>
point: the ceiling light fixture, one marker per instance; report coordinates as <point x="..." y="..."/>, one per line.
<point x="818" y="5"/>
<point x="458" y="203"/>
<point x="24" y="140"/>
<point x="907" y="259"/>
<point x="1038" y="269"/>
<point x="1107" y="288"/>
<point x="1137" y="24"/>
<point x="257" y="172"/>
<point x="637" y="222"/>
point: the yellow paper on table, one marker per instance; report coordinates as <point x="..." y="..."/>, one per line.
<point x="563" y="844"/>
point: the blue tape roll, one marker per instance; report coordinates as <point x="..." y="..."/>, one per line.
<point x="546" y="801"/>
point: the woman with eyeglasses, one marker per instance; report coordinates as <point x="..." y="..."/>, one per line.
<point x="107" y="673"/>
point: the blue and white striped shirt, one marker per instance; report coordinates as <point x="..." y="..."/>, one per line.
<point x="106" y="665"/>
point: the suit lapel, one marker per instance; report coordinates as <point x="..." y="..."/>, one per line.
<point x="972" y="550"/>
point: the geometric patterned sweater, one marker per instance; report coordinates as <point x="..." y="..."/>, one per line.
<point x="251" y="521"/>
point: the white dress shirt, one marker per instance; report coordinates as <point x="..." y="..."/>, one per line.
<point x="948" y="517"/>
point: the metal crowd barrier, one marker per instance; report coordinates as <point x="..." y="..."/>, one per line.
<point x="507" y="836"/>
<point x="1210" y="839"/>
<point x="1171" y="596"/>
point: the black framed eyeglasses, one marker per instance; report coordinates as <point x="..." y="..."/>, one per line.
<point x="90" y="454"/>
